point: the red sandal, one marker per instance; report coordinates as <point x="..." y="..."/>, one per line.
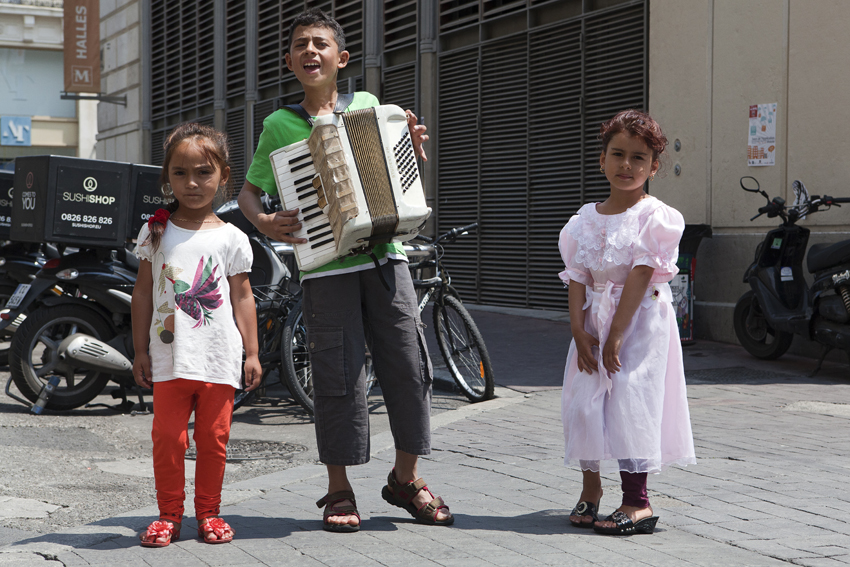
<point x="160" y="533"/>
<point x="402" y="495"/>
<point x="215" y="530"/>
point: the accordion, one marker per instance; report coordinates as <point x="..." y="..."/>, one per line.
<point x="355" y="183"/>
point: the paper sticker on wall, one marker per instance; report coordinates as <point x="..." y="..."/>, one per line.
<point x="761" y="144"/>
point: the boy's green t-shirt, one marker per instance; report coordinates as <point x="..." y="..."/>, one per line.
<point x="284" y="127"/>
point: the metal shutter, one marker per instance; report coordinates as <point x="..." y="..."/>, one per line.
<point x="504" y="172"/>
<point x="157" y="149"/>
<point x="349" y="14"/>
<point x="399" y="23"/>
<point x="400" y="86"/>
<point x="158" y="60"/>
<point x="614" y="79"/>
<point x="235" y="129"/>
<point x="235" y="46"/>
<point x="182" y="35"/>
<point x="261" y="111"/>
<point x="496" y="8"/>
<point x="269" y="41"/>
<point x="533" y="159"/>
<point x="458" y="178"/>
<point x="554" y="154"/>
<point x="457" y="13"/>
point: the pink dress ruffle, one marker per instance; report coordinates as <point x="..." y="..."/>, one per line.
<point x="635" y="420"/>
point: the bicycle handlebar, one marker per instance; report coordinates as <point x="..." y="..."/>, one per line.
<point x="455" y="232"/>
<point x="450" y="235"/>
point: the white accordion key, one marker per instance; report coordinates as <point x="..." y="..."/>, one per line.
<point x="294" y="173"/>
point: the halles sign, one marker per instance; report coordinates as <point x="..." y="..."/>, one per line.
<point x="82" y="46"/>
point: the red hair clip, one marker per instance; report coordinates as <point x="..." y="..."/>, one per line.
<point x="159" y="217"/>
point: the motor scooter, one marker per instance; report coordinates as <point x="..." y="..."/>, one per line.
<point x="81" y="334"/>
<point x="19" y="262"/>
<point x="780" y="304"/>
<point x="85" y="335"/>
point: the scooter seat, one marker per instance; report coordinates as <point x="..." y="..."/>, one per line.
<point x="823" y="256"/>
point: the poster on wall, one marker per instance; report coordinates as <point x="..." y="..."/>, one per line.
<point x="761" y="144"/>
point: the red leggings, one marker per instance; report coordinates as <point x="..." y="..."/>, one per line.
<point x="173" y="402"/>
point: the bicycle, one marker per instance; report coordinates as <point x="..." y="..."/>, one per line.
<point x="458" y="337"/>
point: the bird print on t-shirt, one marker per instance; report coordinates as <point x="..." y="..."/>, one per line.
<point x="200" y="299"/>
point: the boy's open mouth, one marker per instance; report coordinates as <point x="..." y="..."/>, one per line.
<point x="312" y="66"/>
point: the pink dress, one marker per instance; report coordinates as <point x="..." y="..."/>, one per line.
<point x="637" y="419"/>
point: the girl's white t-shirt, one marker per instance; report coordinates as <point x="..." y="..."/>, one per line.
<point x="193" y="334"/>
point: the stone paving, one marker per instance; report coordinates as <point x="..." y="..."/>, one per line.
<point x="769" y="488"/>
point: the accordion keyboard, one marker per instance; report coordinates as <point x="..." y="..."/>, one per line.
<point x="295" y="174"/>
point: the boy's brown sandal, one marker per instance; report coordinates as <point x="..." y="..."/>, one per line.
<point x="332" y="505"/>
<point x="402" y="495"/>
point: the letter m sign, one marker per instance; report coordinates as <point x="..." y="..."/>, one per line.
<point x="82" y="76"/>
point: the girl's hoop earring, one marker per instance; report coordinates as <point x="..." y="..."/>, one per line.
<point x="651" y="177"/>
<point x="601" y="170"/>
<point x="167" y="191"/>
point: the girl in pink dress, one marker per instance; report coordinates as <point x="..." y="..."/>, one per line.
<point x="624" y="405"/>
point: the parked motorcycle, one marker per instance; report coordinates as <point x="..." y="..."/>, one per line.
<point x="19" y="262"/>
<point x="780" y="303"/>
<point x="85" y="334"/>
<point x="81" y="335"/>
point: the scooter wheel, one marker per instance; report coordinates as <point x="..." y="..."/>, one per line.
<point x="34" y="357"/>
<point x="755" y="333"/>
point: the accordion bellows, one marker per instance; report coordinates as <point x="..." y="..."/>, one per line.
<point x="355" y="182"/>
<point x="334" y="186"/>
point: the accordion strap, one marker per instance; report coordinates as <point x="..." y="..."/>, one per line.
<point x="342" y="102"/>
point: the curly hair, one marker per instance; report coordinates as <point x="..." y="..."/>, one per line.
<point x="316" y="17"/>
<point x="213" y="145"/>
<point x="634" y="123"/>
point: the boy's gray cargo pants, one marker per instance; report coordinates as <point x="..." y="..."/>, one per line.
<point x="341" y="313"/>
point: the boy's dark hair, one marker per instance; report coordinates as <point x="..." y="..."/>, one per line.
<point x="634" y="123"/>
<point x="316" y="17"/>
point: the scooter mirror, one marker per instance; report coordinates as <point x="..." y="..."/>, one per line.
<point x="748" y="183"/>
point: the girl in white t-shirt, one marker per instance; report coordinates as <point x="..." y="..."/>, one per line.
<point x="193" y="312"/>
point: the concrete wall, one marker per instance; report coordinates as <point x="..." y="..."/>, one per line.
<point x="709" y="61"/>
<point x="120" y="136"/>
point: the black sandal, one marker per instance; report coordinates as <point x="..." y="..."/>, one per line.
<point x="624" y="526"/>
<point x="584" y="509"/>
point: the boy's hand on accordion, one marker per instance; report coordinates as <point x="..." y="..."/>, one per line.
<point x="417" y="134"/>
<point x="280" y="226"/>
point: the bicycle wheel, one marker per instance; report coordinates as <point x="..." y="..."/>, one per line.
<point x="463" y="349"/>
<point x="295" y="359"/>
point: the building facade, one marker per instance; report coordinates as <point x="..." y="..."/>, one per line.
<point x="35" y="120"/>
<point x="513" y="92"/>
<point x="709" y="61"/>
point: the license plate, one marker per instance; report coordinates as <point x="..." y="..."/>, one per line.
<point x="18" y="296"/>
